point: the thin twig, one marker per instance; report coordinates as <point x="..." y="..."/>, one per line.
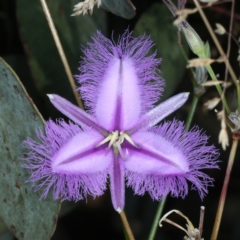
<point x="234" y="39"/>
<point x="176" y="225"/>
<point x="126" y="225"/>
<point x="219" y="47"/>
<point x="229" y="41"/>
<point x="224" y="11"/>
<point x="228" y="49"/>
<point x="238" y="95"/>
<point x="202" y="211"/>
<point x="61" y="52"/>
<point x="219" y="89"/>
<point x="224" y="190"/>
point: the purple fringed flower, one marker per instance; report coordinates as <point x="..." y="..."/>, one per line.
<point x="117" y="138"/>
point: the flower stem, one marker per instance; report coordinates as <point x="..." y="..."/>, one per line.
<point x="61" y="52"/>
<point x="238" y="95"/>
<point x="156" y="219"/>
<point x="219" y="89"/>
<point x="224" y="190"/>
<point x="126" y="225"/>
<point x="191" y="112"/>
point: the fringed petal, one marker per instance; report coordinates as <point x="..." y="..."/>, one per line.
<point x="113" y="75"/>
<point x="193" y="150"/>
<point x="155" y="156"/>
<point x="118" y="89"/>
<point x="72" y="184"/>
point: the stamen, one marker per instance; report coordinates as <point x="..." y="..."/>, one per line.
<point x="118" y="145"/>
<point x="116" y="139"/>
<point x="128" y="138"/>
<point x="108" y="138"/>
<point x="112" y="137"/>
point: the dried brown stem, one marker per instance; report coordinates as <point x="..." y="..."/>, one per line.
<point x="126" y="225"/>
<point x="224" y="190"/>
<point x="61" y="52"/>
<point x="202" y="211"/>
<point x="229" y="40"/>
<point x="219" y="47"/>
<point x="224" y="11"/>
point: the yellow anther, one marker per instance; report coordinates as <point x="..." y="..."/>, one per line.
<point x="116" y="144"/>
<point x="111" y="138"/>
<point x="128" y="138"/>
<point x="108" y="138"/>
<point x="114" y="137"/>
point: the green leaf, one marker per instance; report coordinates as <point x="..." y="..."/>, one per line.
<point x="44" y="60"/>
<point x="156" y="22"/>
<point x="21" y="210"/>
<point x="5" y="234"/>
<point x="122" y="8"/>
<point x="3" y="228"/>
<point x="207" y="52"/>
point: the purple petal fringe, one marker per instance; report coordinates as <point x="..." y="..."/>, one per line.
<point x="38" y="162"/>
<point x="198" y="155"/>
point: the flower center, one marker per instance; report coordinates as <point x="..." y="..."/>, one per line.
<point x="116" y="139"/>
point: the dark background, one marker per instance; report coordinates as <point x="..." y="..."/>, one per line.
<point x="96" y="219"/>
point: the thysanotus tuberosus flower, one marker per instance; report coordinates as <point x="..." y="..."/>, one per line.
<point x="117" y="136"/>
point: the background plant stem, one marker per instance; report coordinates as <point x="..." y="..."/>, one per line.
<point x="224" y="190"/>
<point x="219" y="89"/>
<point x="156" y="219"/>
<point x="61" y="53"/>
<point x="238" y="95"/>
<point x="191" y="112"/>
<point x="215" y="40"/>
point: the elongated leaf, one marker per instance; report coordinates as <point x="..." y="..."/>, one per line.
<point x="156" y="22"/>
<point x="21" y="210"/>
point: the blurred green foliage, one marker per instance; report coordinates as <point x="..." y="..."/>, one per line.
<point x="155" y="22"/>
<point x="44" y="61"/>
<point x="27" y="45"/>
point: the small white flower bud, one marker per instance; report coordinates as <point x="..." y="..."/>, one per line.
<point x="223" y="138"/>
<point x="193" y="39"/>
<point x="220" y="29"/>
<point x="210" y="104"/>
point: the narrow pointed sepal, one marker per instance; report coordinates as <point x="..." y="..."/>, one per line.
<point x="117" y="184"/>
<point x="160" y="112"/>
<point x="189" y="152"/>
<point x="75" y="113"/>
<point x="59" y="162"/>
